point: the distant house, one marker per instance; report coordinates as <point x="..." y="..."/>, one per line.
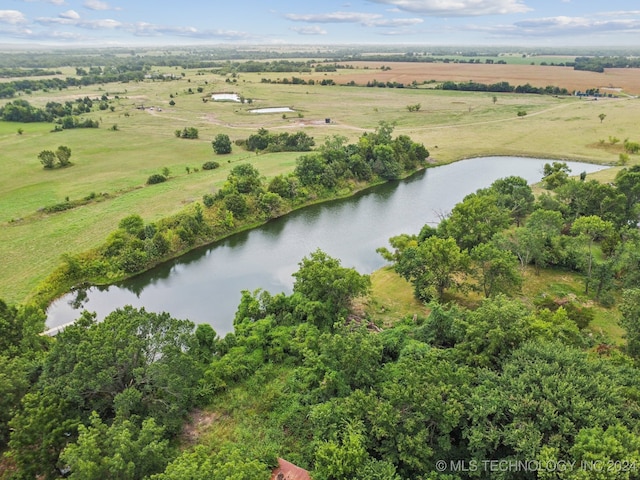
<point x="288" y="471"/>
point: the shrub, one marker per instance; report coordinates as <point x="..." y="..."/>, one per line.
<point x="187" y="132"/>
<point x="221" y="144"/>
<point x="623" y="159"/>
<point x="208" y="200"/>
<point x="156" y="178"/>
<point x="211" y="165"/>
<point x="58" y="207"/>
<point x="631" y="147"/>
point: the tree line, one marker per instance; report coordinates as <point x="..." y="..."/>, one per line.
<point x="65" y="115"/>
<point x="599" y="63"/>
<point x="472" y="86"/>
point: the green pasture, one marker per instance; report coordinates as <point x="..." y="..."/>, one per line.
<point x="117" y="162"/>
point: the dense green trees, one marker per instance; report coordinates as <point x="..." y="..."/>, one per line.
<point x="110" y="377"/>
<point x="283" y="142"/>
<point x="584" y="226"/>
<point x="630" y="308"/>
<point x="120" y="450"/>
<point x="306" y="377"/>
<point x="475" y="220"/>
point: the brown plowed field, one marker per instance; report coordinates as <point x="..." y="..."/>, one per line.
<point x="625" y="79"/>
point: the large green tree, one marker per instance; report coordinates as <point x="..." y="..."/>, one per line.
<point x="122" y="450"/>
<point x="630" y="321"/>
<point x="63" y="154"/>
<point x="328" y="287"/>
<point x="495" y="269"/>
<point x="515" y="195"/>
<point x="591" y="228"/>
<point x="475" y="220"/>
<point x="432" y="266"/>
<point x="134" y="363"/>
<point x="47" y="158"/>
<point x="221" y="144"/>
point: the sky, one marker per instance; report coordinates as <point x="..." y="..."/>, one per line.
<point x="98" y="23"/>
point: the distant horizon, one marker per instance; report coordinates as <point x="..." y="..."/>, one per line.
<point x="366" y="47"/>
<point x="480" y="23"/>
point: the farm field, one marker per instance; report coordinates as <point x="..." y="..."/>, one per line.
<point x="613" y="80"/>
<point x="137" y="139"/>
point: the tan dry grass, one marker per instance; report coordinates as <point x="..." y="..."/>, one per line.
<point x="627" y="79"/>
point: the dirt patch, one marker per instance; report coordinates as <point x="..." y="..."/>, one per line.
<point x="198" y="423"/>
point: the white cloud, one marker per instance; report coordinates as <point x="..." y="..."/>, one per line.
<point x="145" y="29"/>
<point x="563" y="26"/>
<point x="71" y="18"/>
<point x="310" y="30"/>
<point x="70" y="14"/>
<point x="96" y="5"/>
<point x="459" y="8"/>
<point x="12" y="17"/>
<point x="53" y="2"/>
<point x="624" y="13"/>
<point x="335" y="17"/>
<point x="366" y="19"/>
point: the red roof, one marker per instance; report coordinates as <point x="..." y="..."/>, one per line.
<point x="288" y="471"/>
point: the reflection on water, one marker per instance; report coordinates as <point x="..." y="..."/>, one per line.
<point x="205" y="285"/>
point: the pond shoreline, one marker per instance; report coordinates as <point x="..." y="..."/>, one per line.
<point x="44" y="300"/>
<point x="226" y="256"/>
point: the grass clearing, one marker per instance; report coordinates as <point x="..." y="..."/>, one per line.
<point x="570" y="286"/>
<point x="392" y="299"/>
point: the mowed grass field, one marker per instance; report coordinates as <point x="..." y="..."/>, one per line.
<point x="452" y="125"/>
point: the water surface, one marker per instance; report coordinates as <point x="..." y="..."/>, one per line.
<point x="205" y="285"/>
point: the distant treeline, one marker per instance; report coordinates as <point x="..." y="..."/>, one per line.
<point x="9" y="89"/>
<point x="65" y="115"/>
<point x="31" y="72"/>
<point x="598" y="64"/>
<point x="502" y="87"/>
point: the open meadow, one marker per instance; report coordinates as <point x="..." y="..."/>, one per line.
<point x="137" y="138"/>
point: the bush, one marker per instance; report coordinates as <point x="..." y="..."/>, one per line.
<point x="208" y="200"/>
<point x="222" y="144"/>
<point x="156" y="178"/>
<point x="58" y="207"/>
<point x="187" y="132"/>
<point x="210" y="165"/>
